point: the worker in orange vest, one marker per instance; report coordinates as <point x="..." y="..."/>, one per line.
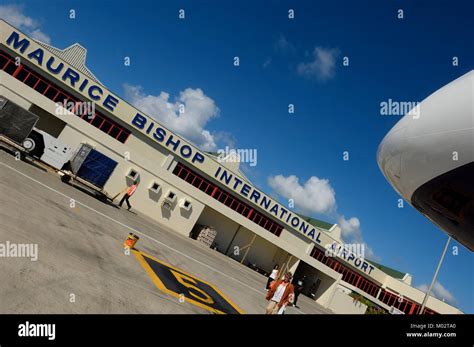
<point x="128" y="194"/>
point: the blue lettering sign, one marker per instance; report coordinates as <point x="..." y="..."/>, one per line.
<point x="274" y="209"/>
<point x="198" y="157"/>
<point x="72" y="75"/>
<point x="19" y="45"/>
<point x="186" y="151"/>
<point x="159" y="134"/>
<point x="95" y="96"/>
<point x="110" y="102"/>
<point x="37" y="54"/>
<point x="226" y="177"/>
<point x="255" y="196"/>
<point x="237" y="183"/>
<point x="245" y="190"/>
<point x="139" y="121"/>
<point x="293" y="224"/>
<point x="49" y="66"/>
<point x="174" y="144"/>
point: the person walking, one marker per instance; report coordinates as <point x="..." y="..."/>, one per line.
<point x="128" y="194"/>
<point x="279" y="294"/>
<point x="273" y="276"/>
<point x="299" y="288"/>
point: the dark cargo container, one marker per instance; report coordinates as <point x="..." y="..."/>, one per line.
<point x="92" y="166"/>
<point x="79" y="157"/>
<point x="15" y="122"/>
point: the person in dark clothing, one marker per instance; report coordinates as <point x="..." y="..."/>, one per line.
<point x="299" y="288"/>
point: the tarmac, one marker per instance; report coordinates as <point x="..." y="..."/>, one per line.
<point x="81" y="264"/>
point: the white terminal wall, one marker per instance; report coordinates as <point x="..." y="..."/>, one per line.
<point x="146" y="157"/>
<point x="147" y="161"/>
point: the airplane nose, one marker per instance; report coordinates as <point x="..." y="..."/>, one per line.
<point x="389" y="156"/>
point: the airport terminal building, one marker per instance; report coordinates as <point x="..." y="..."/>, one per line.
<point x="182" y="187"/>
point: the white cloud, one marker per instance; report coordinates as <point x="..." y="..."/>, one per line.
<point x="198" y="108"/>
<point x="315" y="195"/>
<point x="224" y="138"/>
<point x="13" y="14"/>
<point x="322" y="67"/>
<point x="439" y="292"/>
<point x="370" y="254"/>
<point x="350" y="228"/>
<point x="40" y="36"/>
<point x="351" y="232"/>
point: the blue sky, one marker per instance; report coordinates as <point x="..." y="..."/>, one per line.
<point x="283" y="61"/>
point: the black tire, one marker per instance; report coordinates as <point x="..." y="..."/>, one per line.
<point x="37" y="139"/>
<point x="65" y="178"/>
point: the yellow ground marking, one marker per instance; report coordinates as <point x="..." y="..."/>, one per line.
<point x="157" y="281"/>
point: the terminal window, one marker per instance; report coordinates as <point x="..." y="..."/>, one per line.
<point x="226" y="198"/>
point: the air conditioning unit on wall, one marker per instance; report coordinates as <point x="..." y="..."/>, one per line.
<point x="155" y="188"/>
<point x="133" y="175"/>
<point x="169" y="200"/>
<point x="185" y="204"/>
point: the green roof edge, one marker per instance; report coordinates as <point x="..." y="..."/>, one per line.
<point x="388" y="270"/>
<point x="316" y="222"/>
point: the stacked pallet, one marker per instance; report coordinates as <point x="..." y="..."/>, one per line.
<point x="206" y="236"/>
